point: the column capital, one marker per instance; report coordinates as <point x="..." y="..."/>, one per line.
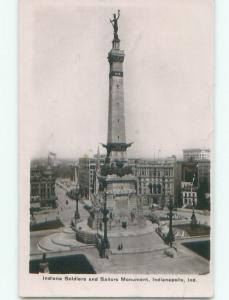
<point x="116" y="56"/>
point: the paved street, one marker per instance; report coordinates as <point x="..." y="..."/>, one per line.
<point x="67" y="211"/>
<point x="157" y="263"/>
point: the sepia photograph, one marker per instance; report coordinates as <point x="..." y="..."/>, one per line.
<point x="115" y="150"/>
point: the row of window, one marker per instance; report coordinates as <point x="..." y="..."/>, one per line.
<point x="166" y="185"/>
<point x="189" y="195"/>
<point x="153" y="174"/>
<point x="42" y="192"/>
<point x="188" y="201"/>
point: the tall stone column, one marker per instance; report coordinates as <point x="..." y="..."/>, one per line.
<point x="116" y="173"/>
<point x="116" y="139"/>
<point x="116" y="117"/>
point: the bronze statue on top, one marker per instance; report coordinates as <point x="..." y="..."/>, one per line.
<point x="114" y="23"/>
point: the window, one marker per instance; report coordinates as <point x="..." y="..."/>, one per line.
<point x="154" y="188"/>
<point x="159" y="189"/>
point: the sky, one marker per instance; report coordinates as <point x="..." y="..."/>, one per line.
<point x="64" y="77"/>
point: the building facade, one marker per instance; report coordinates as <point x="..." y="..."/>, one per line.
<point x="196" y="154"/>
<point x="156" y="180"/>
<point x="204" y="168"/>
<point x="42" y="187"/>
<point x="87" y="174"/>
<point x="189" y="194"/>
<point x="195" y="182"/>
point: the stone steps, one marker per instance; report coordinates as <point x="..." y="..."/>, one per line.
<point x="59" y="242"/>
<point x="63" y="240"/>
<point x="46" y="244"/>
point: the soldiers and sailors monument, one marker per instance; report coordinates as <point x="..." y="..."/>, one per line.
<point x="117" y="207"/>
<point x="116" y="222"/>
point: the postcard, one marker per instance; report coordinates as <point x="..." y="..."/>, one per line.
<point x="115" y="148"/>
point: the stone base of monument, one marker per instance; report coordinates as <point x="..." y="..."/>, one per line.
<point x="119" y="222"/>
<point x="133" y="239"/>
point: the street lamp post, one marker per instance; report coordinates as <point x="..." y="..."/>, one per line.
<point x="193" y="217"/>
<point x="77" y="215"/>
<point x="44" y="265"/>
<point x="163" y="191"/>
<point x="170" y="236"/>
<point x="77" y="206"/>
<point x="105" y="242"/>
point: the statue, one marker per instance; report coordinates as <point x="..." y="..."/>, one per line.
<point x="114" y="23"/>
